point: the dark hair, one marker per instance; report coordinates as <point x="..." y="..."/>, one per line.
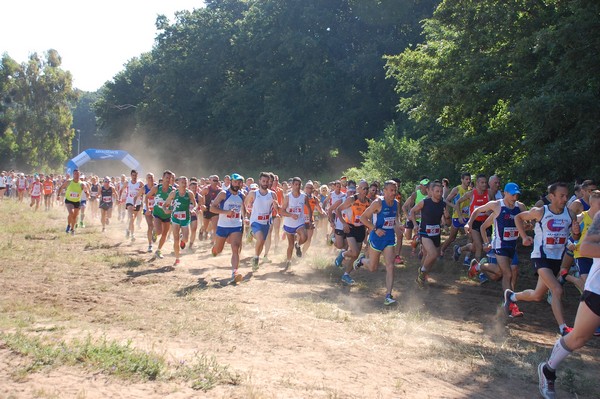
<point x="389" y="183"/>
<point x="587" y="183"/>
<point x="481" y="175"/>
<point x="133" y="171"/>
<point x="264" y="174"/>
<point x="554" y="186"/>
<point x="168" y="172"/>
<point x="296" y="179"/>
<point x="464" y="174"/>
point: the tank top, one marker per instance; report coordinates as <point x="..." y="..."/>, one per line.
<point x="592" y="283"/>
<point x="73" y="191"/>
<point x="262" y="207"/>
<point x="48" y="187"/>
<point x="106" y="195"/>
<point x="551" y="234"/>
<point x="479" y="200"/>
<point x="295" y="206"/>
<point x="386" y="217"/>
<point x="585" y="224"/>
<point x="36" y="189"/>
<point x="150" y="199"/>
<point x="159" y="201"/>
<point x="465" y="210"/>
<point x="586" y="206"/>
<point x="132" y="190"/>
<point x="94" y="189"/>
<point x="418" y="198"/>
<point x="211" y="195"/>
<point x="505" y="230"/>
<point x="431" y="215"/>
<point x="181" y="207"/>
<point x="357" y="209"/>
<point x="312" y="200"/>
<point x="231" y="202"/>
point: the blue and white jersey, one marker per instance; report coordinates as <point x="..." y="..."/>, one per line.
<point x="386" y="218"/>
<point x="262" y="207"/>
<point x="231" y="202"/>
<point x="505" y="230"/>
<point x="551" y="234"/>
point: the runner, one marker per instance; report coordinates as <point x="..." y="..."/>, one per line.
<point x="315" y="209"/>
<point x="94" y="193"/>
<point x="420" y="193"/>
<point x="74" y="187"/>
<point x="354" y="229"/>
<point x="209" y="219"/>
<point x="457" y="215"/>
<point x="336" y="198"/>
<point x="35" y="191"/>
<point x="477" y="197"/>
<point x="551" y="233"/>
<point x="2" y="185"/>
<point x="431" y="210"/>
<point x="121" y="187"/>
<point x="195" y="211"/>
<point x="133" y="202"/>
<point x="83" y="202"/>
<point x="587" y="320"/>
<point x="21" y="185"/>
<point x="229" y="206"/>
<point x="108" y="196"/>
<point x="504" y="238"/>
<point x="293" y="221"/>
<point x="162" y="220"/>
<point x="380" y="218"/>
<point x="148" y="209"/>
<point x="179" y="202"/>
<point x="261" y="204"/>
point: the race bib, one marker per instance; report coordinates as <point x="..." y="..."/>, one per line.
<point x="181" y="215"/>
<point x="74" y="195"/>
<point x="389" y="223"/>
<point x="510" y="234"/>
<point x="106" y="199"/>
<point x="432" y="229"/>
<point x="555" y="241"/>
<point x="160" y="203"/>
<point x="263" y="217"/>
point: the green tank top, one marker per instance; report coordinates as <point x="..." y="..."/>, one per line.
<point x="181" y="207"/>
<point x="159" y="201"/>
<point x="419" y="198"/>
<point x="73" y="191"/>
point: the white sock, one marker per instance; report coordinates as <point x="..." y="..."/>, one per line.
<point x="423" y="269"/>
<point x="513" y="297"/>
<point x="559" y="353"/>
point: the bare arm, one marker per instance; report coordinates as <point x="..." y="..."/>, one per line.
<point x="532" y="214"/>
<point x="590" y="246"/>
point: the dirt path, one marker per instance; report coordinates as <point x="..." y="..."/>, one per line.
<point x="286" y="334"/>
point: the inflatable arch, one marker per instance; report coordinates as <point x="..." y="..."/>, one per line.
<point x="92" y="153"/>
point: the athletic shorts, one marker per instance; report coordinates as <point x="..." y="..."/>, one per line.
<point x="227" y="231"/>
<point x="45" y="195"/>
<point x="476" y="225"/>
<point x="137" y="207"/>
<point x="75" y="204"/>
<point x="456" y="223"/>
<point x="584" y="265"/>
<point x="592" y="300"/>
<point x="193" y="218"/>
<point x="208" y="215"/>
<point x="309" y="226"/>
<point x="83" y="203"/>
<point x="380" y="243"/>
<point x="164" y="220"/>
<point x="436" y="239"/>
<point x="292" y="230"/>
<point x="359" y="233"/>
<point x="507" y="252"/>
<point x="259" y="227"/>
<point x="35" y="197"/>
<point x="340" y="233"/>
<point x="545" y="263"/>
<point x="182" y="223"/>
<point x="106" y="205"/>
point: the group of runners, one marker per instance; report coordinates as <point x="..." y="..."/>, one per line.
<point x="366" y="223"/>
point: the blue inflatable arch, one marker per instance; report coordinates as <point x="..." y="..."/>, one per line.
<point x="92" y="153"/>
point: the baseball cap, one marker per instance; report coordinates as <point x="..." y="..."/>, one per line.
<point x="424" y="182"/>
<point x="512" y="188"/>
<point x="236" y="176"/>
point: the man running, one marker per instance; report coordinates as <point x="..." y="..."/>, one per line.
<point x="179" y="202"/>
<point x="108" y="196"/>
<point x="457" y="215"/>
<point x="261" y="203"/>
<point x="74" y="187"/>
<point x="293" y="221"/>
<point x="380" y="218"/>
<point x="35" y="191"/>
<point x="551" y="233"/>
<point x="133" y="202"/>
<point x="195" y="212"/>
<point x="162" y="220"/>
<point x="148" y="209"/>
<point x="477" y="197"/>
<point x="229" y="206"/>
<point x="209" y="219"/>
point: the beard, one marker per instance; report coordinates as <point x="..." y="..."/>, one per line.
<point x="265" y="187"/>
<point x="234" y="188"/>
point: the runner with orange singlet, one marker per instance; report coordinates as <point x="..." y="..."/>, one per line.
<point x="309" y="210"/>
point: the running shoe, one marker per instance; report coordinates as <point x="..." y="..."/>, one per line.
<point x="473" y="269"/>
<point x="562" y="277"/>
<point x="298" y="250"/>
<point x="546" y="384"/>
<point x="126" y="233"/>
<point x="549" y="297"/>
<point x="421" y="278"/>
<point x="72" y="232"/>
<point x="177" y="262"/>
<point x="597" y="332"/>
<point x="103" y="229"/>
<point x="566" y="330"/>
<point x="254" y="263"/>
<point x="81" y="224"/>
<point x="456" y="253"/>
<point x="514" y="311"/>
<point x="288" y="264"/>
<point x="346" y="279"/>
<point x="507" y="302"/>
<point x="68" y="228"/>
<point x="236" y="277"/>
<point x="467" y="262"/>
<point x="398" y="260"/>
<point x="149" y="249"/>
<point x="484" y="260"/>
<point x="483" y="278"/>
<point x="182" y="244"/>
<point x="266" y="260"/>
<point x="159" y="254"/>
<point x="358" y="262"/>
<point x="339" y="259"/>
<point x="132" y="238"/>
<point x="389" y="300"/>
<point x="154" y="237"/>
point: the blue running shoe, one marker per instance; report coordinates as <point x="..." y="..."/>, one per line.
<point x="456" y="253"/>
<point x="483" y="278"/>
<point x="339" y="259"/>
<point x="68" y="228"/>
<point x="389" y="300"/>
<point x="346" y="279"/>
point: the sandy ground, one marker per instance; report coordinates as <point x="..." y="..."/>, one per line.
<point x="295" y="333"/>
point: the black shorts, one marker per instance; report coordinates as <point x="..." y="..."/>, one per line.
<point x="340" y="233"/>
<point x="309" y="226"/>
<point x="359" y="233"/>
<point x="436" y="239"/>
<point x="193" y="218"/>
<point x="164" y="220"/>
<point x="136" y="208"/>
<point x="208" y="215"/>
<point x="76" y="205"/>
<point x="592" y="300"/>
<point x="545" y="263"/>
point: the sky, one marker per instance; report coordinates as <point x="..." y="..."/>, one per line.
<point x="94" y="38"/>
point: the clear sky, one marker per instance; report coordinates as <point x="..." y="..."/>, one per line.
<point x="93" y="38"/>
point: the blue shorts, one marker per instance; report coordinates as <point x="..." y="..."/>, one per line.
<point x="584" y="265"/>
<point x="227" y="231"/>
<point x="503" y="252"/>
<point x="456" y="223"/>
<point x="292" y="230"/>
<point x="83" y="203"/>
<point x="258" y="227"/>
<point x="380" y="243"/>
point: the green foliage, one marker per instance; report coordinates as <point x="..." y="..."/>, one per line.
<point x="35" y="112"/>
<point x="507" y="87"/>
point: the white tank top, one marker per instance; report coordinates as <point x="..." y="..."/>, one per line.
<point x="36" y="189"/>
<point x="338" y="223"/>
<point x="262" y="207"/>
<point x="133" y="190"/>
<point x="295" y="206"/>
<point x="551" y="234"/>
<point x="593" y="280"/>
<point x="231" y="202"/>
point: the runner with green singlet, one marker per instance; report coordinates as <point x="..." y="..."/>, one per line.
<point x="180" y="201"/>
<point x="162" y="219"/>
